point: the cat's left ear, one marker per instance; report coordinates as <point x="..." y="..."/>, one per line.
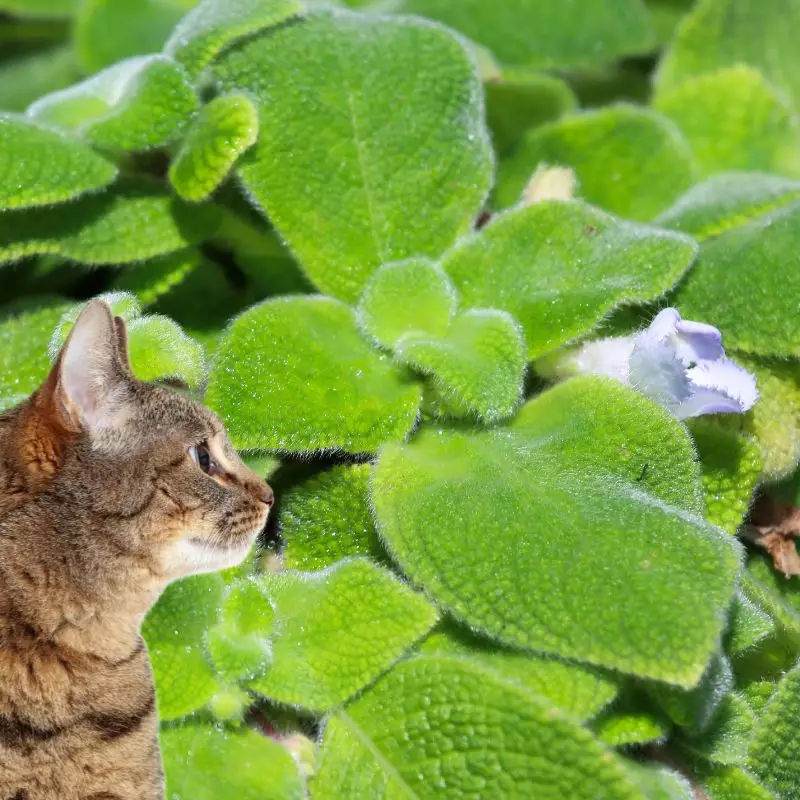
<point x="92" y="377"/>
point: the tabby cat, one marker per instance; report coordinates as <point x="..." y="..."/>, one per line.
<point x="109" y="489"/>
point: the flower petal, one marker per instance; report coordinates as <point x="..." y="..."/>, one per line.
<point x="657" y="372"/>
<point x="724" y="377"/>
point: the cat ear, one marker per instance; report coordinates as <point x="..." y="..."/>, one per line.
<point x="121" y="331"/>
<point x="92" y="371"/>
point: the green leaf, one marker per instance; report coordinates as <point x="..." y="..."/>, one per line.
<point x="578" y="690"/>
<point x="39" y="8"/>
<point x="159" y="349"/>
<point x="728" y="201"/>
<point x="777" y="595"/>
<point x="477" y="366"/>
<point x="407" y="297"/>
<point x="438" y="726"/>
<point x="568" y="521"/>
<point x="24" y="337"/>
<point x="206" y="763"/>
<point x="327" y="387"/>
<point x="328" y="518"/>
<point x="707" y="109"/>
<point x="138" y="104"/>
<point x="727" y="738"/>
<point x="629" y="722"/>
<point x="215" y="24"/>
<point x="107" y="228"/>
<point x="548" y="34"/>
<point x="107" y="31"/>
<point x="158" y="277"/>
<point x="660" y="783"/>
<point x="28" y="77"/>
<point x="723" y="33"/>
<point x="560" y="267"/>
<point x="221" y="132"/>
<point x="174" y="631"/>
<point x="732" y="783"/>
<point x="517" y="100"/>
<point x="774" y="756"/>
<point x="748" y="625"/>
<point x="731" y="467"/>
<point x="629" y="160"/>
<point x="372" y="145"/>
<point x="41" y="167"/>
<point x="741" y="283"/>
<point x="336" y="631"/>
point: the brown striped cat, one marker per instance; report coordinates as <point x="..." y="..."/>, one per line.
<point x="109" y="489"/>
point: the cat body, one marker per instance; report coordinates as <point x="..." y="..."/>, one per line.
<point x="109" y="489"/>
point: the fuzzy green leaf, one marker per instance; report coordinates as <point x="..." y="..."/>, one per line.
<point x="372" y="144"/>
<point x="773" y="592"/>
<point x="24" y="337"/>
<point x="174" y="631"/>
<point x="206" y="763"/>
<point x="548" y="34"/>
<point x="336" y="631"/>
<point x="438" y="726"/>
<point x="731" y="465"/>
<point x="328" y="518"/>
<point x="138" y="104"/>
<point x="517" y="100"/>
<point x="723" y="33"/>
<point x="222" y="131"/>
<point x="774" y="756"/>
<point x="327" y="388"/>
<point x="727" y="738"/>
<point x="559" y="268"/>
<point x="159" y="349"/>
<point x="40" y="167"/>
<point x="630" y="722"/>
<point x="628" y="160"/>
<point x="708" y="110"/>
<point x="728" y="201"/>
<point x="107" y="31"/>
<point x="215" y="24"/>
<point x="477" y="365"/>
<point x="569" y="521"/>
<point x="576" y="689"/>
<point x="107" y="228"/>
<point x="407" y="297"/>
<point x="158" y="277"/>
<point x="745" y="281"/>
<point x="732" y="783"/>
<point x="748" y="625"/>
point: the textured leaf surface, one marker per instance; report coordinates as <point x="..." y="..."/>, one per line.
<point x="774" y="755"/>
<point x="477" y="366"/>
<point x="747" y="626"/>
<point x="40" y="167"/>
<point x="158" y="277"/>
<point x="140" y="103"/>
<point x="24" y="337"/>
<point x="372" y="145"/>
<point x="160" y="349"/>
<point x="336" y="631"/>
<point x="214" y="24"/>
<point x="728" y="201"/>
<point x="731" y="467"/>
<point x="174" y="631"/>
<point x="107" y="228"/>
<point x="747" y="281"/>
<point x="206" y="763"/>
<point x="708" y="110"/>
<point x="408" y="297"/>
<point x="576" y="689"/>
<point x="327" y="387"/>
<point x="629" y="160"/>
<point x="627" y="723"/>
<point x="727" y="738"/>
<point x="565" y="526"/>
<point x="567" y="34"/>
<point x="559" y="268"/>
<point x="722" y="33"/>
<point x="732" y="783"/>
<point x="109" y="30"/>
<point x="777" y="595"/>
<point x="328" y="518"/>
<point x="518" y="100"/>
<point x="221" y="132"/>
<point x="401" y="740"/>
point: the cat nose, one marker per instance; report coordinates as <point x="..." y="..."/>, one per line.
<point x="266" y="495"/>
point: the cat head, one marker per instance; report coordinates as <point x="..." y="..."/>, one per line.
<point x="147" y="469"/>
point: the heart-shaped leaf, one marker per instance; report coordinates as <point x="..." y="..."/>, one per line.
<point x="326" y="387"/>
<point x="570" y="519"/>
<point x="387" y="155"/>
<point x="559" y="268"/>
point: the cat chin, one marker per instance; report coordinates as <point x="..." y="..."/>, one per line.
<point x="193" y="556"/>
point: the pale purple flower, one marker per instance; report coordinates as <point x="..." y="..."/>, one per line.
<point x="678" y="363"/>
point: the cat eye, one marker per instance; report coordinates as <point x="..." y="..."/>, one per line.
<point x="202" y="457"/>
